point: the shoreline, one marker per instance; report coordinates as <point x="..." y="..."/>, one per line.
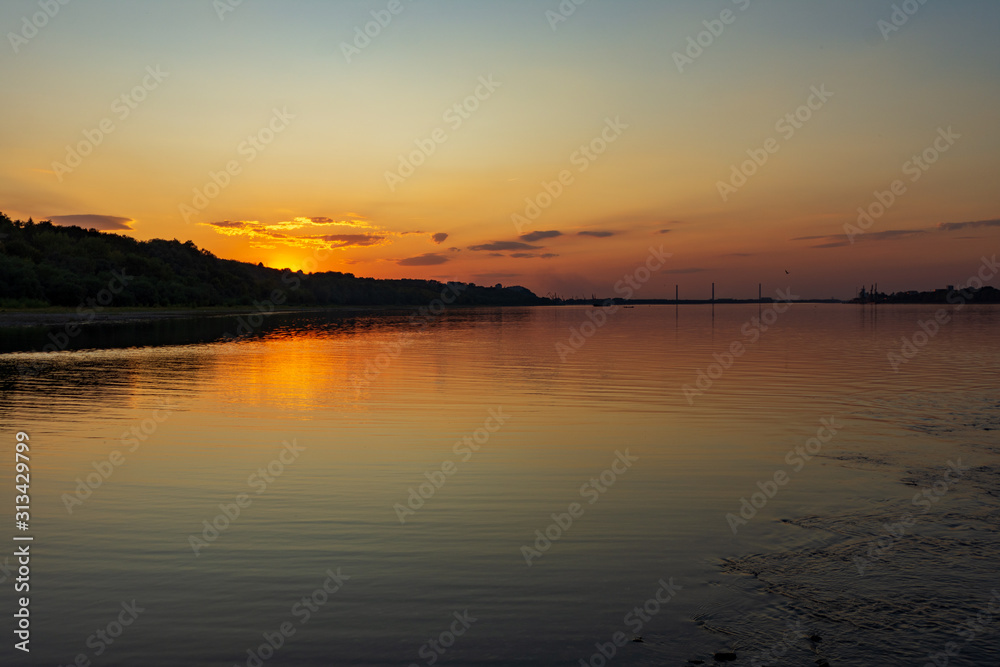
<point x="54" y="317"/>
<point x="27" y="318"/>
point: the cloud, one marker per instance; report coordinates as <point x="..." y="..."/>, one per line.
<point x="91" y="221"/>
<point x="596" y="235"/>
<point x="953" y="226"/>
<point x="427" y="259"/>
<point x="893" y="234"/>
<point x="663" y="231"/>
<point x="303" y="222"/>
<point x="439" y="238"/>
<point x="641" y="220"/>
<point x="538" y="236"/>
<point x="840" y="240"/>
<point x="531" y="255"/>
<point x="347" y="240"/>
<point x="497" y="246"/>
<point x="831" y="241"/>
<point x="266" y="236"/>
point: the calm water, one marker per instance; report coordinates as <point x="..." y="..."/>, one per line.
<point x="197" y="421"/>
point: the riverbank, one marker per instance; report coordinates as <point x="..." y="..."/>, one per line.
<point x="53" y="317"/>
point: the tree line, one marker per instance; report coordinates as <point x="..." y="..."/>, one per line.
<point x="42" y="265"/>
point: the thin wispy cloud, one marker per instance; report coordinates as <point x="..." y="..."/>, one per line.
<point x="531" y="237"/>
<point x="427" y="259"/>
<point x="954" y="226"/>
<point x="891" y="234"/>
<point x="532" y="255"/>
<point x="105" y="223"/>
<point x="629" y="221"/>
<point x="498" y="246"/>
<point x="596" y="234"/>
<point x="840" y="240"/>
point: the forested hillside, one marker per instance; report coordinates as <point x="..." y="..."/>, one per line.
<point x="42" y="264"/>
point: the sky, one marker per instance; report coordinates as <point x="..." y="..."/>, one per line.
<point x="541" y="143"/>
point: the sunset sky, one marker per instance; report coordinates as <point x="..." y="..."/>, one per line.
<point x="265" y="131"/>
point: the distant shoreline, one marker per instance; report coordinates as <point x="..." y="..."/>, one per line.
<point x="55" y="316"/>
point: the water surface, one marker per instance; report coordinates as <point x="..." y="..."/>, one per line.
<point x="367" y="407"/>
